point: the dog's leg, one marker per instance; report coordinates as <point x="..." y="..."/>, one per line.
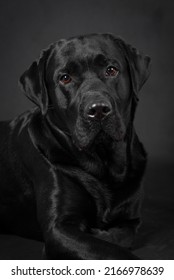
<point x="65" y="212"/>
<point x="68" y="242"/>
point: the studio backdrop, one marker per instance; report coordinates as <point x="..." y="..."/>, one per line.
<point x="27" y="27"/>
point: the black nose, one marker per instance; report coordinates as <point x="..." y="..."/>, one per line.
<point x="99" y="110"/>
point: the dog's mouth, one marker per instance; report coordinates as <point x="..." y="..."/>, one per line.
<point x="88" y="135"/>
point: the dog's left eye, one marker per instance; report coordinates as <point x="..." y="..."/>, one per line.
<point x="65" y="79"/>
<point x="111" y="71"/>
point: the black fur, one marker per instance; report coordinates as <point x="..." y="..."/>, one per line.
<point x="69" y="177"/>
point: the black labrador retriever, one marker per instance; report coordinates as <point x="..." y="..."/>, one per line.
<point x="71" y="168"/>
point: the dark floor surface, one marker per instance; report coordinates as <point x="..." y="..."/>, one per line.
<point x="156" y="236"/>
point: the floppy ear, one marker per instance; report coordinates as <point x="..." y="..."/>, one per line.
<point x="32" y="82"/>
<point x="139" y="66"/>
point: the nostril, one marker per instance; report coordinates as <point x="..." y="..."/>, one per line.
<point x="99" y="111"/>
<point x="106" y="110"/>
<point x="91" y="111"/>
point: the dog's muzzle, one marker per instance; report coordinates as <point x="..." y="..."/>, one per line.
<point x="98" y="119"/>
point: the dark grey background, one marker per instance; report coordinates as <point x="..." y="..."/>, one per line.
<point x="26" y="27"/>
<point x="29" y="26"/>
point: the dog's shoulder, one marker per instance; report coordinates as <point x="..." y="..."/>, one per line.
<point x="16" y="134"/>
<point x="21" y="122"/>
<point x="11" y="130"/>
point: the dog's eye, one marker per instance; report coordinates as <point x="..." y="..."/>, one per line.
<point x="111" y="71"/>
<point x="65" y="79"/>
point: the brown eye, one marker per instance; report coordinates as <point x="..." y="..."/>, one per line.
<point x="111" y="71"/>
<point x="65" y="79"/>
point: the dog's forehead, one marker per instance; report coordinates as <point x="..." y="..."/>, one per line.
<point x="86" y="47"/>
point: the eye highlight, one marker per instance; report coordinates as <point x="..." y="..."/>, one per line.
<point x="111" y="71"/>
<point x="65" y="79"/>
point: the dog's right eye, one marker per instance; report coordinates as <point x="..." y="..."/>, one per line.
<point x="65" y="79"/>
<point x="111" y="71"/>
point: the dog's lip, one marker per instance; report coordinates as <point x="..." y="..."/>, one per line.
<point x="118" y="137"/>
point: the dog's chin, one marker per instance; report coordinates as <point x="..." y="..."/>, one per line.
<point x="85" y="141"/>
<point x="94" y="139"/>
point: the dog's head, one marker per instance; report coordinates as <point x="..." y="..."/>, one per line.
<point x="88" y="85"/>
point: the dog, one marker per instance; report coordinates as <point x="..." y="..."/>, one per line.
<point x="71" y="167"/>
